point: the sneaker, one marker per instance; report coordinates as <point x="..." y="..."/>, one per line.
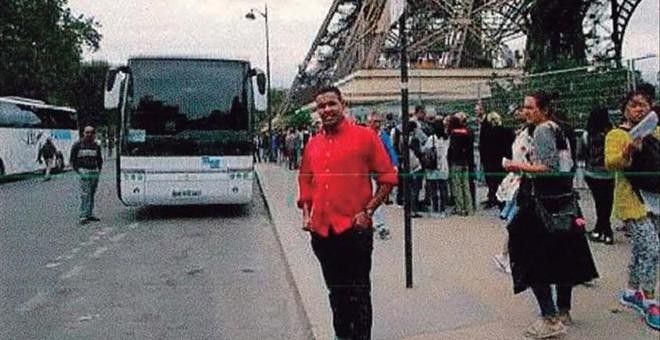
<point x="652" y="317"/>
<point x="93" y="218"/>
<point x="565" y="318"/>
<point x="634" y="301"/>
<point x="595" y="236"/>
<point x="502" y="263"/>
<point x="84" y="221"/>
<point x="382" y="232"/>
<point x="546" y="327"/>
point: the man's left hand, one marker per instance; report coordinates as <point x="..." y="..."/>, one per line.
<point x="362" y="220"/>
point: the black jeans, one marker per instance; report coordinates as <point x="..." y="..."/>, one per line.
<point x="493" y="181"/>
<point x="416" y="185"/>
<point x="437" y="190"/>
<point x="547" y="305"/>
<point x="346" y="264"/>
<point x="603" y="192"/>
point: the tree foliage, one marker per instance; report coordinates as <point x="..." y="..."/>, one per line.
<point x="556" y="39"/>
<point x="42" y="43"/>
<point x="87" y="90"/>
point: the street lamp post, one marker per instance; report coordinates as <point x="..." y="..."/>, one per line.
<point x="250" y="15"/>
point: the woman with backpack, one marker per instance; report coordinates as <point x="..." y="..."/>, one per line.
<point x="621" y="155"/>
<point x="435" y="151"/>
<point x="599" y="180"/>
<point x="545" y="251"/>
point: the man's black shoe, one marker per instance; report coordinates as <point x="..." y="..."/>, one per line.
<point x="93" y="219"/>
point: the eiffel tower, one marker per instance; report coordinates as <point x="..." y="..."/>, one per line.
<point x="442" y="34"/>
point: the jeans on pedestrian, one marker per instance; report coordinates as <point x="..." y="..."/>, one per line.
<point x="543" y="294"/>
<point x="437" y="189"/>
<point x="89" y="181"/>
<point x="510" y="210"/>
<point x="346" y="265"/>
<point x="50" y="162"/>
<point x="416" y="184"/>
<point x="645" y="248"/>
<point x="460" y="180"/>
<point x="602" y="191"/>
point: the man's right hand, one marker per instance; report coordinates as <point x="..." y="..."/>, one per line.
<point x="307" y="223"/>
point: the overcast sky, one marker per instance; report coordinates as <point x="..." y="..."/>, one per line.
<point x="219" y="28"/>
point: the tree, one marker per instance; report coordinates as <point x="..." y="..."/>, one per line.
<point x="42" y="43"/>
<point x="556" y="39"/>
<point x="87" y="94"/>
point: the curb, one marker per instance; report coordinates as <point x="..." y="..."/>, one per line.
<point x="297" y="273"/>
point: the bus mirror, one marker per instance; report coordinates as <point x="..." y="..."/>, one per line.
<point x="112" y="90"/>
<point x="261" y="83"/>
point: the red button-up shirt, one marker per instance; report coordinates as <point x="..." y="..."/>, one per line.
<point x="335" y="175"/>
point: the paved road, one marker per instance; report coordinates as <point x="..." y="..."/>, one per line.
<point x="194" y="273"/>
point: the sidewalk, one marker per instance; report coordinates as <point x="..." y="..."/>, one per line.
<point x="458" y="293"/>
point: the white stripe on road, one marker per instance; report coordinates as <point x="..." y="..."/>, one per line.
<point x="74" y="271"/>
<point x="99" y="251"/>
<point x="38" y="300"/>
<point x="53" y="264"/>
<point x="118" y="237"/>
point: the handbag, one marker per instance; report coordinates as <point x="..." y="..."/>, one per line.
<point x="559" y="213"/>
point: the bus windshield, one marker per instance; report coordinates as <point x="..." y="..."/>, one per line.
<point x="188" y="107"/>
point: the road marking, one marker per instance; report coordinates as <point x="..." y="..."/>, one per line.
<point x="99" y="251"/>
<point x="53" y="264"/>
<point x="74" y="271"/>
<point x="118" y="237"/>
<point x="38" y="300"/>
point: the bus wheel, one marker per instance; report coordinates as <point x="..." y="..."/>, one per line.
<point x="59" y="163"/>
<point x="2" y="168"/>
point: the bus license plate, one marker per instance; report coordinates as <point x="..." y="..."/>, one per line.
<point x="186" y="193"/>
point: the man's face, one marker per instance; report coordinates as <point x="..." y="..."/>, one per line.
<point x="375" y="122"/>
<point x="88" y="133"/>
<point x="330" y="108"/>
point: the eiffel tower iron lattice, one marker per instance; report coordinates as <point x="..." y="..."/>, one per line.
<point x="356" y="34"/>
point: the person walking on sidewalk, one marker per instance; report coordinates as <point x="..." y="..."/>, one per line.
<point x="540" y="256"/>
<point x="337" y="202"/>
<point x="375" y="122"/>
<point x="87" y="161"/>
<point x="632" y="206"/>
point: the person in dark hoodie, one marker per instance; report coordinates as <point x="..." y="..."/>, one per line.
<point x="87" y="161"/>
<point x="494" y="144"/>
<point x="460" y="157"/>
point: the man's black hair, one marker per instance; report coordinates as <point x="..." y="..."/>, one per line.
<point x="419" y="108"/>
<point x="325" y="89"/>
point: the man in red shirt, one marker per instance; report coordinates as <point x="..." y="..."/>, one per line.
<point x="337" y="203"/>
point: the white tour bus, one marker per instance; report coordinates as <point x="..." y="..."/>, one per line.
<point x="24" y="126"/>
<point x="185" y="133"/>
